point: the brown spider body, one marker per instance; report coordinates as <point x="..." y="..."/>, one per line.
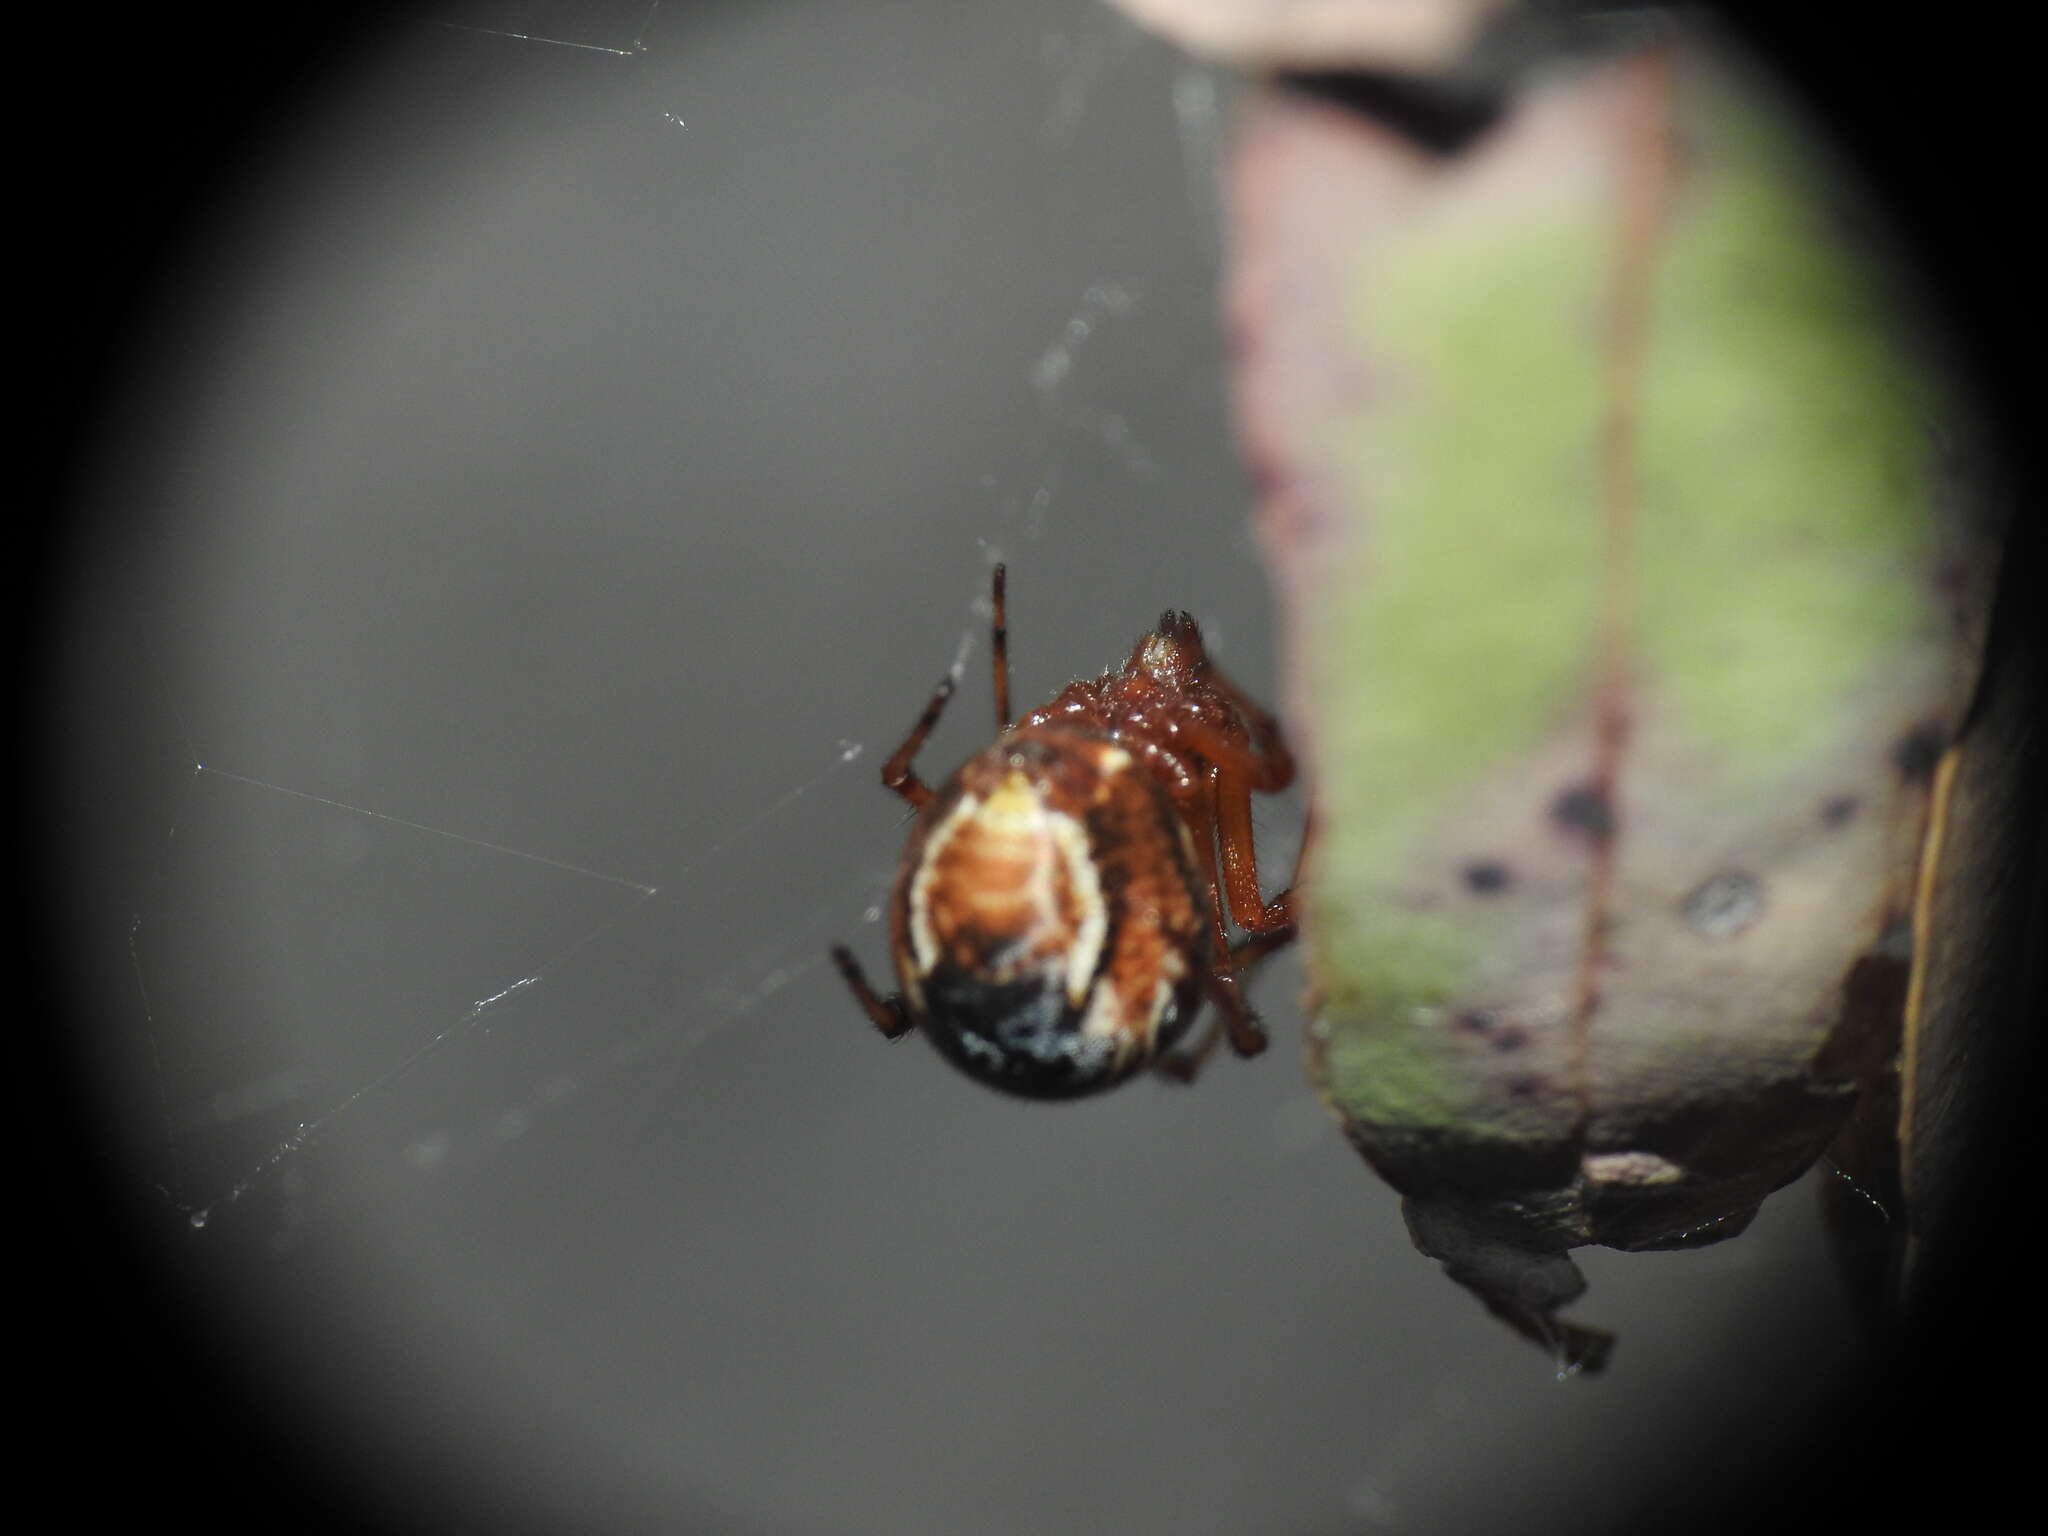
<point x="1048" y="927"/>
<point x="1058" y="914"/>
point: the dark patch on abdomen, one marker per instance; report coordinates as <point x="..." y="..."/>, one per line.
<point x="1025" y="1021"/>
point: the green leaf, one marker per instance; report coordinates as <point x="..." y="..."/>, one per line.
<point x="1629" y="614"/>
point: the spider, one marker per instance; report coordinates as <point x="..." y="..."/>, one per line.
<point x="1057" y="917"/>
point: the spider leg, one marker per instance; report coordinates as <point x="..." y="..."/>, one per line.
<point x="1264" y="763"/>
<point x="897" y="774"/>
<point x="1276" y="770"/>
<point x="1241" y="861"/>
<point x="999" y="646"/>
<point x="1246" y="954"/>
<point x="887" y="1013"/>
<point x="1247" y="1036"/>
<point x="1196" y="800"/>
<point x="1185" y="1066"/>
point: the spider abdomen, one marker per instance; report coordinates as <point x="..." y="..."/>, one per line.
<point x="1050" y="926"/>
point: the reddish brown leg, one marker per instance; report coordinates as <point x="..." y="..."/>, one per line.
<point x="1197" y="810"/>
<point x="1233" y="1015"/>
<point x="999" y="644"/>
<point x="1266" y="766"/>
<point x="1185" y="1066"/>
<point x="1277" y="762"/>
<point x="1247" y="1034"/>
<point x="1245" y="956"/>
<point x="887" y="1012"/>
<point x="1248" y="909"/>
<point x="897" y="774"/>
<point x="1247" y="1038"/>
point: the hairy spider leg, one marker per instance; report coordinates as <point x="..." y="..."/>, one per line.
<point x="887" y="1013"/>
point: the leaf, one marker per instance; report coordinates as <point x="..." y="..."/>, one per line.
<point x="1629" y="615"/>
<point x="1320" y="33"/>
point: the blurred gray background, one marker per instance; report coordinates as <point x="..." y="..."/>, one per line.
<point x="591" y="457"/>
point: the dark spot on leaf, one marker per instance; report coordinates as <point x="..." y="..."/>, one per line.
<point x="1864" y="1043"/>
<point x="1896" y="941"/>
<point x="1839" y="810"/>
<point x="1584" y="808"/>
<point x="1723" y="905"/>
<point x="1475" y="1021"/>
<point x="1523" y="1086"/>
<point x="1513" y="1038"/>
<point x="1917" y="752"/>
<point x="1487" y="877"/>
